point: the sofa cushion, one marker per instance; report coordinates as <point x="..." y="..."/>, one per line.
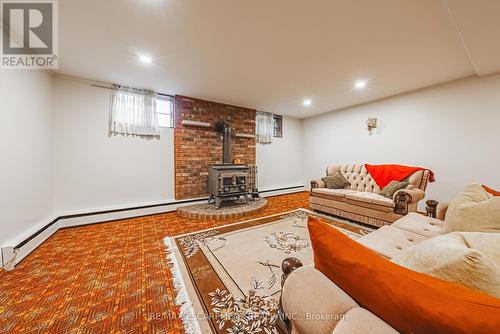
<point x="473" y="211"/>
<point x="389" y="190"/>
<point x="357" y="175"/>
<point x="389" y="241"/>
<point x="420" y="224"/>
<point x="370" y="198"/>
<point x="409" y="301"/>
<point x="332" y="192"/>
<point x="450" y="257"/>
<point x="335" y="181"/>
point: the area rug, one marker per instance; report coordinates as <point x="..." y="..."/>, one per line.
<point x="229" y="278"/>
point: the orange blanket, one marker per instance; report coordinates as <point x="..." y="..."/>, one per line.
<point x="384" y="174"/>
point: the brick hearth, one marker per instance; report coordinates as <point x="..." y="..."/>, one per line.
<point x="208" y="211"/>
<point x="196" y="148"/>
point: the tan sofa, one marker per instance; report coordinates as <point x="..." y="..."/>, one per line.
<point x="315" y="305"/>
<point x="361" y="202"/>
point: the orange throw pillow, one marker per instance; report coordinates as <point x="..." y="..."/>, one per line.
<point x="491" y="191"/>
<point x="409" y="301"/>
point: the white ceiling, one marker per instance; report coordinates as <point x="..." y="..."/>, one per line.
<point x="270" y="55"/>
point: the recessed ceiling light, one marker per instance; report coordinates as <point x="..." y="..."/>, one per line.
<point x="307" y="102"/>
<point x="145" y="59"/>
<point x="360" y="84"/>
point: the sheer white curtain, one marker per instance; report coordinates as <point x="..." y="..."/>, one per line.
<point x="264" y="127"/>
<point x="133" y="113"/>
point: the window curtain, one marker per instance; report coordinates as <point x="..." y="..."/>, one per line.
<point x="264" y="127"/>
<point x="133" y="113"/>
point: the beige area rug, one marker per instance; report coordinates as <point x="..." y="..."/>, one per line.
<point x="229" y="278"/>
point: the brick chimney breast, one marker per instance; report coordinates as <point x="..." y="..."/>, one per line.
<point x="196" y="148"/>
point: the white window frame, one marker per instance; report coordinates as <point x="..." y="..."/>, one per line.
<point x="160" y="113"/>
<point x="277" y="123"/>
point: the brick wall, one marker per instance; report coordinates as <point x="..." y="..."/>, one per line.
<point x="196" y="148"/>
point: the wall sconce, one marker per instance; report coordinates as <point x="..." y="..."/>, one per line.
<point x="371" y="124"/>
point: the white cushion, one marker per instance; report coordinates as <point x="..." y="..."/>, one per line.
<point x="451" y="258"/>
<point x="473" y="211"/>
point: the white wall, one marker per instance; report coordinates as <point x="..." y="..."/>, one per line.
<point x="280" y="163"/>
<point x="25" y="148"/>
<point x="451" y="129"/>
<point x="94" y="171"/>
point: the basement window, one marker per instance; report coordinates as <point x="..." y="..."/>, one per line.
<point x="165" y="112"/>
<point x="278" y="126"/>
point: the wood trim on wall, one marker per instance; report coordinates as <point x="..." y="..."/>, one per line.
<point x="25" y="247"/>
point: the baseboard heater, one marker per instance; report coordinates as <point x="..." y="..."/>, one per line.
<point x="11" y="256"/>
<point x="296" y="188"/>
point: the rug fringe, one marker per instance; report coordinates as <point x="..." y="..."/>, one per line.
<point x="187" y="313"/>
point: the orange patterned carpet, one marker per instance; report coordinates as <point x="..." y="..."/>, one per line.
<point x="105" y="278"/>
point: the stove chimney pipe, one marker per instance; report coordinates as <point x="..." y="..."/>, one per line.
<point x="224" y="128"/>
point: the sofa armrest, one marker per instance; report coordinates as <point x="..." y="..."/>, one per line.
<point x="361" y="321"/>
<point x="436" y="209"/>
<point x="442" y="207"/>
<point x="317" y="184"/>
<point x="283" y="325"/>
<point x="312" y="302"/>
<point x="405" y="200"/>
<point x="414" y="194"/>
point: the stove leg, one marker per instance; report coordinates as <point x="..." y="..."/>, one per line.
<point x="245" y="196"/>
<point x="218" y="201"/>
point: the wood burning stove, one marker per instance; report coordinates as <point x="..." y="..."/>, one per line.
<point x="227" y="181"/>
